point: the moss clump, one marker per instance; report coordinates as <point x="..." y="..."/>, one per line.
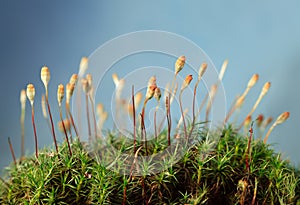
<point x="220" y="177"/>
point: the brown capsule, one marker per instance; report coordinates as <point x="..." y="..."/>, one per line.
<point x="259" y="120"/>
<point x="89" y="79"/>
<point x="248" y="121"/>
<point x="186" y="81"/>
<point x="157" y="94"/>
<point x="150" y="92"/>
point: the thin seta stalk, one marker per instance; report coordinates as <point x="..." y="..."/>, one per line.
<point x="186" y="82"/>
<point x="202" y="70"/>
<point x="86" y="88"/>
<point x="171" y="91"/>
<point x="149" y="94"/>
<point x="134" y="120"/>
<point x="168" y="114"/>
<point x="130" y="175"/>
<point x="248" y="151"/>
<point x="30" y="92"/>
<point x="12" y="151"/>
<point x="91" y="98"/>
<point x="69" y="91"/>
<point x="60" y="96"/>
<point x="240" y="100"/>
<point x="215" y="86"/>
<point x="83" y="66"/>
<point x="45" y="77"/>
<point x="102" y="115"/>
<point x="22" y="120"/>
<point x="281" y="118"/>
<point x="157" y="96"/>
<point x="264" y="91"/>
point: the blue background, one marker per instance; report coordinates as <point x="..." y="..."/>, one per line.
<point x="258" y="37"/>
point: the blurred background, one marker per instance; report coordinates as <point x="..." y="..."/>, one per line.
<point x="258" y="37"/>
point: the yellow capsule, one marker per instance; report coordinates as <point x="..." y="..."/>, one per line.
<point x="69" y="91"/>
<point x="253" y="80"/>
<point x="115" y="79"/>
<point x="83" y="66"/>
<point x="202" y="70"/>
<point x="266" y="88"/>
<point x="67" y="125"/>
<point x="23" y="99"/>
<point x="73" y="79"/>
<point x="240" y="101"/>
<point x="85" y="86"/>
<point x="100" y="109"/>
<point x="30" y="92"/>
<point x="179" y="64"/>
<point x="283" y="117"/>
<point x="45" y="76"/>
<point x="60" y="93"/>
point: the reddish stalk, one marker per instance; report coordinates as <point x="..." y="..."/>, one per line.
<point x="143" y="133"/>
<point x="144" y="191"/>
<point x="182" y="114"/>
<point x="231" y="111"/>
<point x="34" y="130"/>
<point x="134" y="120"/>
<point x="193" y="110"/>
<point x="94" y="117"/>
<point x="169" y="120"/>
<point x="155" y="127"/>
<point x="88" y="116"/>
<point x="12" y="151"/>
<point x="65" y="131"/>
<point x="72" y="120"/>
<point x="124" y="195"/>
<point x="22" y="134"/>
<point x="52" y="125"/>
<point x="248" y="153"/>
<point x="130" y="176"/>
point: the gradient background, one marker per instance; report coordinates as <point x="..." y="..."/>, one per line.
<point x="259" y="37"/>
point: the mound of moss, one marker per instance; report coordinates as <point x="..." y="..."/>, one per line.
<point x="230" y="173"/>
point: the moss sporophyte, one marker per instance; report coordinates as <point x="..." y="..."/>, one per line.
<point x="237" y="168"/>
